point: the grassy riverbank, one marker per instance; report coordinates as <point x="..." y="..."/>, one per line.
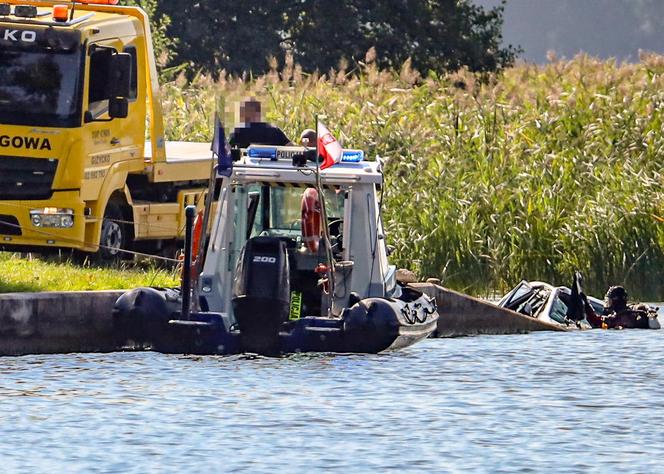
<point x="532" y="174"/>
<point x="35" y="274"/>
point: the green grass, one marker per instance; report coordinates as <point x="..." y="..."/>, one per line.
<point x="36" y="274"/>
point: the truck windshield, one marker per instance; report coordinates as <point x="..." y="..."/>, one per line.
<point x="40" y="87"/>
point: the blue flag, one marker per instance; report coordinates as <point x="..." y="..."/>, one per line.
<point x="221" y="149"/>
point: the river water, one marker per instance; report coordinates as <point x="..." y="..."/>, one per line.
<point x="558" y="402"/>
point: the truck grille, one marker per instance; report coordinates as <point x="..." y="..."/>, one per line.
<point x="9" y="225"/>
<point x="26" y="178"/>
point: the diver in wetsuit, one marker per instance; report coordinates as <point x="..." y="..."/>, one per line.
<point x="617" y="313"/>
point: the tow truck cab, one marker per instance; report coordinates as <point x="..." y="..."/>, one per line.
<point x="77" y="83"/>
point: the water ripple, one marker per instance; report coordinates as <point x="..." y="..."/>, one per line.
<point x="577" y="402"/>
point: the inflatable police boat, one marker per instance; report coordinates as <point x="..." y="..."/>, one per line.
<point x="294" y="263"/>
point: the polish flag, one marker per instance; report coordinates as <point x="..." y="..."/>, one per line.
<point x="328" y="147"/>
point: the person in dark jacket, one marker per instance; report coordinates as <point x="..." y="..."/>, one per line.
<point x="252" y="129"/>
<point x="617" y="313"/>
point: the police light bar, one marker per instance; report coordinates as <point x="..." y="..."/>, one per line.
<point x="352" y="156"/>
<point x="275" y="153"/>
<point x="262" y="152"/>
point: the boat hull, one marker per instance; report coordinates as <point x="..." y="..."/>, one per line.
<point x="149" y="318"/>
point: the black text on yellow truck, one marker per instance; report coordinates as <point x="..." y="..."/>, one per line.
<point x="78" y="84"/>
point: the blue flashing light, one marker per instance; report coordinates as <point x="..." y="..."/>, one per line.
<point x="352" y="156"/>
<point x="263" y="152"/>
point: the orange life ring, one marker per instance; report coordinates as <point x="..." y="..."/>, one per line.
<point x="311" y="219"/>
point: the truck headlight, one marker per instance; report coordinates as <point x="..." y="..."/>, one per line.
<point x="52" y="217"/>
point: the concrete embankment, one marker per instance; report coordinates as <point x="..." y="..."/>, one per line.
<point x="61" y="322"/>
<point x="463" y="315"/>
<point x="56" y="322"/>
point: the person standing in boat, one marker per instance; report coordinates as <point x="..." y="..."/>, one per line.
<point x="308" y="138"/>
<point x="253" y="130"/>
<point x="617" y="313"/>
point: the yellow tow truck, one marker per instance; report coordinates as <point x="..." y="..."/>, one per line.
<point x="78" y="84"/>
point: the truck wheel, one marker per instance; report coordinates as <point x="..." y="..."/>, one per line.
<point x="113" y="237"/>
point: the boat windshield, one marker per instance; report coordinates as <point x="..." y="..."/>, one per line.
<point x="277" y="210"/>
<point x="515" y="297"/>
<point x="40" y="87"/>
<point x="559" y="309"/>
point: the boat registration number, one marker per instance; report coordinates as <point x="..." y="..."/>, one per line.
<point x="295" y="305"/>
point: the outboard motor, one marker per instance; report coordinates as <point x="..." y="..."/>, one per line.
<point x="261" y="294"/>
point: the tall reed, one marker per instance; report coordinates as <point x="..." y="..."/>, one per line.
<point x="528" y="175"/>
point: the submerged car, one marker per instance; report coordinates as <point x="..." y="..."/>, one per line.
<point x="554" y="305"/>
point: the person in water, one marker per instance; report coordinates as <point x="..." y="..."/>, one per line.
<point x="617" y="313"/>
<point x="253" y="130"/>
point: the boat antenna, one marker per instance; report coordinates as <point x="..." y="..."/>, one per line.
<point x="326" y="230"/>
